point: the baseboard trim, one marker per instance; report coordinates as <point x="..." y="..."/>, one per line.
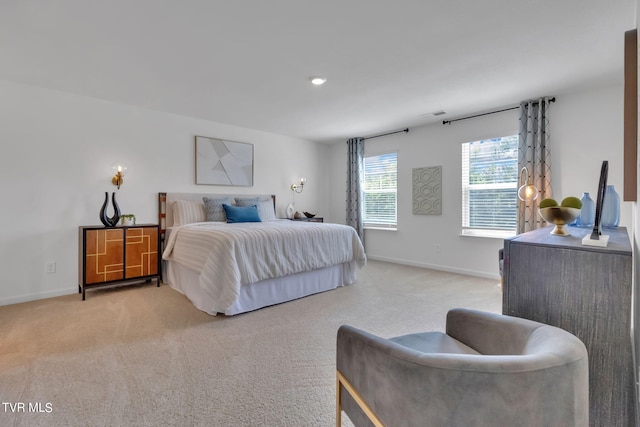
<point x="37" y="296"/>
<point x="61" y="292"/>
<point x="462" y="271"/>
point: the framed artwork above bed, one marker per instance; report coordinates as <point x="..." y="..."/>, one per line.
<point x="223" y="162"/>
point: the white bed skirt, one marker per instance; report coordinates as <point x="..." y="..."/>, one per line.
<point x="260" y="294"/>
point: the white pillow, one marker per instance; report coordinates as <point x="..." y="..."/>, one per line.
<point x="187" y="212"/>
<point x="265" y="206"/>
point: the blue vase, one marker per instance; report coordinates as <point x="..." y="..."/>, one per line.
<point x="610" y="208"/>
<point x="587" y="213"/>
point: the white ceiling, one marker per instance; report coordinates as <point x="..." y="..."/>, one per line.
<point x="389" y="64"/>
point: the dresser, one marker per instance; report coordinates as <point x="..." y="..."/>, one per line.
<point x="587" y="291"/>
<point x="112" y="255"/>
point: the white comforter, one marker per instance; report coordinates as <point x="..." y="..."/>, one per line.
<point x="242" y="253"/>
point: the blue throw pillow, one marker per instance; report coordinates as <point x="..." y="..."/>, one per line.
<point x="241" y="213"/>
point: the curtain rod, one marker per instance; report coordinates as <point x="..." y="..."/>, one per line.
<point x="385" y="134"/>
<point x="444" y="122"/>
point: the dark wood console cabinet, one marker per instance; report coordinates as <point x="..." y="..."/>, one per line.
<point x="118" y="254"/>
<point x="586" y="291"/>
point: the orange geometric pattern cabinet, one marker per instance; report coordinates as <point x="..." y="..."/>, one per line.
<point x="141" y="252"/>
<point x="112" y="255"/>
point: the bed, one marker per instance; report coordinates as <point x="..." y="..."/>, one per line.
<point x="256" y="260"/>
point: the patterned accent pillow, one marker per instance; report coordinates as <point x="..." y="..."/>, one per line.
<point x="186" y="212"/>
<point x="264" y="205"/>
<point x="213" y="208"/>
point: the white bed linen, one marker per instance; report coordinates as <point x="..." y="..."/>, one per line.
<point x="262" y="294"/>
<point x="229" y="256"/>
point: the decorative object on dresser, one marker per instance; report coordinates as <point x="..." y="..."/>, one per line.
<point x="113" y="255"/>
<point x="236" y="266"/>
<point x="610" y="208"/>
<point x="587" y="291"/>
<point x="223" y="162"/>
<point x="128" y="219"/>
<point x="106" y="220"/>
<point x="596" y="238"/>
<point x="587" y="212"/>
<point x="560" y="215"/>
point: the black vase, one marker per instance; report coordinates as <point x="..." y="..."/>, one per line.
<point x="113" y="221"/>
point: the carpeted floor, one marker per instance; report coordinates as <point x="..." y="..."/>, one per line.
<point x="144" y="356"/>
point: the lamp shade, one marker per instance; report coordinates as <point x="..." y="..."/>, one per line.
<point x="527" y="192"/>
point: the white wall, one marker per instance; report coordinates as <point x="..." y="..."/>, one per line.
<point x="585" y="129"/>
<point x="57" y="151"/>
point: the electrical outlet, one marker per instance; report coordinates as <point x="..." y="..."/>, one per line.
<point x="437" y="248"/>
<point x="51" y="267"/>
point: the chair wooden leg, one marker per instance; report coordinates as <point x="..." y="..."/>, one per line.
<point x="359" y="400"/>
<point x="338" y="400"/>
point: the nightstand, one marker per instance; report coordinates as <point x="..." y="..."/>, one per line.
<point x="112" y="255"/>
<point x="305" y="219"/>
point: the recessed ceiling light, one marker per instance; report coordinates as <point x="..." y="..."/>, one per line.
<point x="318" y="80"/>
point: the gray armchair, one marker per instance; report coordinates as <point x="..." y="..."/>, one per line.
<point x="487" y="370"/>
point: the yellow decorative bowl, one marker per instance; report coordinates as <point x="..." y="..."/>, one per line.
<point x="559" y="216"/>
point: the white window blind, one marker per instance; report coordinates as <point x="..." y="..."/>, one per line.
<point x="489" y="184"/>
<point x="380" y="190"/>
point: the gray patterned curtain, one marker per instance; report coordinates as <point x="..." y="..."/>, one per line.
<point x="355" y="171"/>
<point x="534" y="154"/>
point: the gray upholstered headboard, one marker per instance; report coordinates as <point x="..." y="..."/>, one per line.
<point x="165" y="203"/>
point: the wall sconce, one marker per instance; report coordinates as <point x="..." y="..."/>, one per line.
<point x="300" y="186"/>
<point x="528" y="191"/>
<point x="118" y="177"/>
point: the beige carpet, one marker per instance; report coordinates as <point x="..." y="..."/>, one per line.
<point x="144" y="356"/>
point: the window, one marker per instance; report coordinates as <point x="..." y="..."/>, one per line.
<point x="380" y="191"/>
<point x="490" y="186"/>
